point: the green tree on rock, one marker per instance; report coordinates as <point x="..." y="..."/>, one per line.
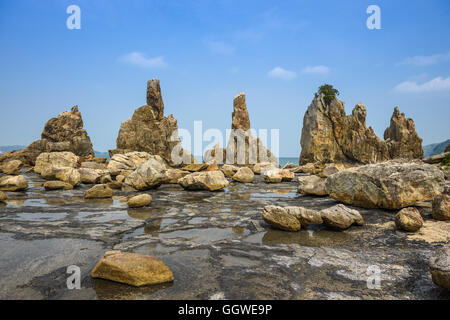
<point x="329" y="92"/>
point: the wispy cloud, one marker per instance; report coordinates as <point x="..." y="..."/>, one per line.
<point x="140" y="60"/>
<point x="424" y="61"/>
<point x="435" y="85"/>
<point x="315" y="70"/>
<point x="220" y="47"/>
<point x="281" y="73"/>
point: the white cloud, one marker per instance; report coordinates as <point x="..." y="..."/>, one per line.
<point x="423" y="61"/>
<point x="281" y="73"/>
<point x="316" y="70"/>
<point x="139" y="59"/>
<point x="437" y="84"/>
<point x="220" y="47"/>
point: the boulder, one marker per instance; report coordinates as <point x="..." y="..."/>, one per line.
<point x="94" y="165"/>
<point x="331" y="168"/>
<point x="173" y="175"/>
<point x="229" y="170"/>
<point x="57" y="185"/>
<point x="133" y="269"/>
<point x="139" y="201"/>
<point x="279" y="218"/>
<point x="90" y="176"/>
<point x="278" y="175"/>
<point x="440" y="267"/>
<point x="331" y="136"/>
<point x="312" y="185"/>
<point x="341" y="217"/>
<point x="149" y="131"/>
<point x="389" y="185"/>
<point x="64" y="133"/>
<point x="149" y="175"/>
<point x="124" y="164"/>
<point x="244" y="175"/>
<point x="56" y="159"/>
<point x="114" y="185"/>
<point x="409" y="219"/>
<point x="441" y="207"/>
<point x="11" y="167"/>
<point x="105" y="179"/>
<point x="305" y="216"/>
<point x="3" y="197"/>
<point x="98" y="192"/>
<point x="66" y="174"/>
<point x="206" y="180"/>
<point x="13" y="183"/>
<point x="262" y="167"/>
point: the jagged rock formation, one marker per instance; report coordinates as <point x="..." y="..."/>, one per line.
<point x="242" y="147"/>
<point x="148" y="130"/>
<point x="329" y="135"/>
<point x="64" y="133"/>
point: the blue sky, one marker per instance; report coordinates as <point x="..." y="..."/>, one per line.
<point x="205" y="52"/>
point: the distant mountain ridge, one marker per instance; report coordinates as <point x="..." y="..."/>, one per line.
<point x="435" y="148"/>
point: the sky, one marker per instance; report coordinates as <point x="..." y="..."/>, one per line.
<point x="205" y="52"/>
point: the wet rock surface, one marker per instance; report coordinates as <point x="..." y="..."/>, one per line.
<point x="215" y="243"/>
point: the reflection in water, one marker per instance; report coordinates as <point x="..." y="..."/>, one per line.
<point x="110" y="290"/>
<point x="238" y="230"/>
<point x="102" y="203"/>
<point x="145" y="213"/>
<point x="281" y="191"/>
<point x="312" y="236"/>
<point x="152" y="226"/>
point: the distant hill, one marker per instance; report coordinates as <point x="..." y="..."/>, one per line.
<point x="10" y="148"/>
<point x="435" y="148"/>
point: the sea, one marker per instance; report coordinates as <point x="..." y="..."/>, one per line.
<point x="282" y="160"/>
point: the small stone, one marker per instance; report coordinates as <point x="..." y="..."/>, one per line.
<point x="441" y="207"/>
<point x="133" y="269"/>
<point x="57" y="185"/>
<point x="278" y="218"/>
<point x="139" y="201"/>
<point x="341" y="217"/>
<point x="409" y="219"/>
<point x="99" y="191"/>
<point x="244" y="175"/>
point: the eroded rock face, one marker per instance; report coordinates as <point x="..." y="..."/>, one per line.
<point x="205" y="180"/>
<point x="279" y="218"/>
<point x="133" y="269"/>
<point x="242" y="147"/>
<point x="64" y="133"/>
<point x="148" y="130"/>
<point x="13" y="183"/>
<point x="329" y="135"/>
<point x="389" y="185"/>
<point x="440" y="267"/>
<point x="148" y="175"/>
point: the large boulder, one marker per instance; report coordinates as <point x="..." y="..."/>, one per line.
<point x="56" y="159"/>
<point x="133" y="269"/>
<point x="329" y="135"/>
<point x="148" y="175"/>
<point x="441" y="207"/>
<point x="440" y="267"/>
<point x="139" y="201"/>
<point x="149" y="131"/>
<point x="124" y="164"/>
<point x="99" y="191"/>
<point x="65" y="174"/>
<point x="341" y="217"/>
<point x="13" y="183"/>
<point x="409" y="219"/>
<point x="389" y="185"/>
<point x="64" y="133"/>
<point x="312" y="185"/>
<point x="305" y="216"/>
<point x="244" y="175"/>
<point x="206" y="180"/>
<point x="11" y="167"/>
<point x="279" y="218"/>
